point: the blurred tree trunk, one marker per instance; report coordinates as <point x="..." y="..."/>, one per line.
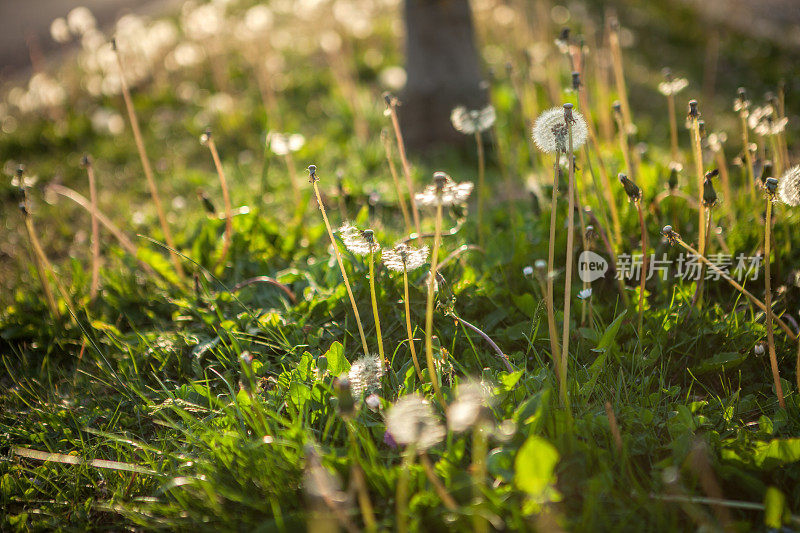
<point x="443" y="70"/>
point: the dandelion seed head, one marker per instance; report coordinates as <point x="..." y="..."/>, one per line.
<point x="404" y="256"/>
<point x="444" y="191"/>
<point x="411" y="420"/>
<point x="357" y="241"/>
<point x="789" y="187"/>
<point x="550" y="132"/>
<point x="471" y="405"/>
<point x="715" y="141"/>
<point x="673" y="86"/>
<point x="471" y="121"/>
<point x="365" y="375"/>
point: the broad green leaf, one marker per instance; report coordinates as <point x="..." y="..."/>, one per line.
<point x="534" y="466"/>
<point x="337" y="362"/>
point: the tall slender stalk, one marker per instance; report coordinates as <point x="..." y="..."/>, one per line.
<point x="549" y="299"/>
<point x="619" y="74"/>
<point x="622" y="138"/>
<point x="41" y="263"/>
<point x="148" y="171"/>
<point x="773" y="359"/>
<point x="393" y="170"/>
<point x="673" y="127"/>
<point x="408" y="326"/>
<point x="375" y="314"/>
<point x="391" y="104"/>
<point x="95" y="286"/>
<point x="401" y="506"/>
<point x="643" y="274"/>
<point x="312" y="169"/>
<point x="437" y="237"/>
<point x="570" y="245"/>
<point x="694" y="116"/>
<point x="481" y="185"/>
<point x="438" y="486"/>
<point x="742" y="105"/>
<point x="480" y="447"/>
<point x="209" y="141"/>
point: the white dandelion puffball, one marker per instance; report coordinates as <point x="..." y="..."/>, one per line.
<point x="673" y="86"/>
<point x="789" y="187"/>
<point x="550" y="131"/>
<point x="411" y="420"/>
<point x="471" y="405"/>
<point x="357" y="241"/>
<point x="471" y="121"/>
<point x="444" y="191"/>
<point x="365" y="375"/>
<point x="584" y="294"/>
<point x="284" y="143"/>
<point x="404" y="257"/>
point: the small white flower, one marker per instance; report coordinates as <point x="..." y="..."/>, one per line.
<point x="527" y="271"/>
<point x="403" y="256"/>
<point x="789" y="187"/>
<point x="758" y="349"/>
<point x="444" y="191"/>
<point x="284" y="143"/>
<point x="584" y="294"/>
<point x="356" y="240"/>
<point x="469" y="121"/>
<point x="411" y="420"/>
<point x="365" y="375"/>
<point x="550" y="131"/>
<point x="673" y="86"/>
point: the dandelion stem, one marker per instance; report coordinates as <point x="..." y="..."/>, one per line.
<point x="341" y="266"/>
<point x="619" y="77"/>
<point x="429" y="307"/>
<point x="748" y="157"/>
<point x="698" y="162"/>
<point x="226" y="199"/>
<point x="408" y="326"/>
<point x="95" y="286"/>
<point x="673" y="127"/>
<point x="643" y="273"/>
<point x="697" y="299"/>
<point x="364" y="502"/>
<point x="568" y="265"/>
<point x="148" y="171"/>
<point x="773" y="360"/>
<point x="622" y="137"/>
<point x="375" y="314"/>
<point x="393" y="170"/>
<point x="41" y="263"/>
<point x="724" y="275"/>
<point x="438" y="486"/>
<point x="402" y="490"/>
<point x="481" y="186"/>
<point x="480" y="445"/>
<point x="549" y="300"/>
<point x="612" y="422"/>
<point x="401" y="147"/>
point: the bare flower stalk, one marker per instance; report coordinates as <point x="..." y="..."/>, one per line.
<point x="41" y="262"/>
<point x="391" y="106"/>
<point x="694" y="116"/>
<point x="481" y="186"/>
<point x="95" y="286"/>
<point x="312" y="169"/>
<point x="619" y="74"/>
<point x="148" y="171"/>
<point x="438" y="486"/>
<point x="408" y="326"/>
<point x="375" y="313"/>
<point x="742" y="105"/>
<point x="570" y="247"/>
<point x="773" y="360"/>
<point x="622" y="138"/>
<point x="612" y="422"/>
<point x="480" y="447"/>
<point x="673" y="127"/>
<point x="674" y="238"/>
<point x="550" y="298"/>
<point x="437" y="238"/>
<point x="393" y="170"/>
<point x="643" y="274"/>
<point x="401" y="507"/>
<point x="209" y="141"/>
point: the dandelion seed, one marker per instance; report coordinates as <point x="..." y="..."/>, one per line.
<point x="673" y="86"/>
<point x="365" y="375"/>
<point x="550" y="132"/>
<point x="403" y="256"/>
<point x="411" y="420"/>
<point x="789" y="187"/>
<point x="444" y="191"/>
<point x="758" y="116"/>
<point x="770" y="126"/>
<point x="471" y="121"/>
<point x="585" y="294"/>
<point x="357" y="241"/>
<point x="471" y="406"/>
